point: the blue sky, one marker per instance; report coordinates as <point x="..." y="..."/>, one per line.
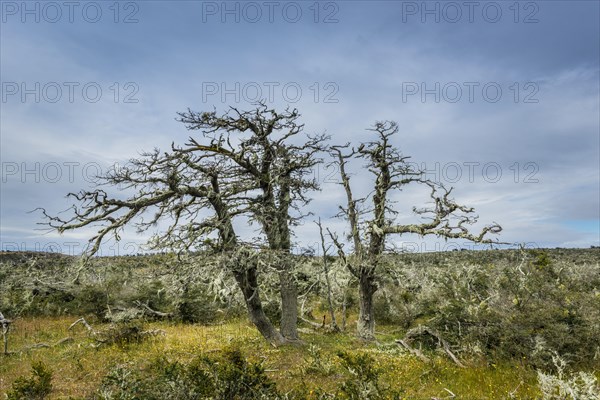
<point x="500" y="100"/>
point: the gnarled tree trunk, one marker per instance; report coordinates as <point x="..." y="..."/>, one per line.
<point x="366" y="317"/>
<point x="248" y="283"/>
<point x="289" y="305"/>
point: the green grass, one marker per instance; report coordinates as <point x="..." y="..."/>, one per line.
<point x="79" y="368"/>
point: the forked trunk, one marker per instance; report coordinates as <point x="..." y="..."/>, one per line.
<point x="289" y="305"/>
<point x="248" y="283"/>
<point x="366" y="318"/>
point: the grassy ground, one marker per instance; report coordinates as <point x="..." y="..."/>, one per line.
<point x="78" y="367"/>
<point x="505" y="300"/>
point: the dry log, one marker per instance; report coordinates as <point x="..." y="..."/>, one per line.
<point x="84" y="323"/>
<point x="42" y="345"/>
<point x="412" y="350"/>
<point x="423" y="330"/>
<point x="311" y="323"/>
<point x="149" y="310"/>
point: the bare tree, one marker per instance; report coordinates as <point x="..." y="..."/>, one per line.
<point x="280" y="172"/>
<point x="372" y="224"/>
<point x="325" y="249"/>
<point x="244" y="164"/>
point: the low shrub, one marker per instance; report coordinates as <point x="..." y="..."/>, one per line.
<point x="225" y="376"/>
<point x="505" y="308"/>
<point x="36" y="387"/>
<point x="196" y="306"/>
<point x="363" y="382"/>
<point x="123" y="334"/>
<point x="567" y="386"/>
<point x="91" y="300"/>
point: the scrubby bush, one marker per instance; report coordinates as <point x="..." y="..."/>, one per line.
<point x="154" y="294"/>
<point x="394" y="305"/>
<point x="162" y="380"/>
<point x="363" y="382"/>
<point x="316" y="362"/>
<point x="110" y="289"/>
<point x="91" y="300"/>
<point x="497" y="304"/>
<point x="506" y="307"/>
<point x="123" y="334"/>
<point x="235" y="377"/>
<point x="225" y="376"/>
<point x="196" y="306"/>
<point x="48" y="301"/>
<point x="567" y="386"/>
<point x="36" y="387"/>
<point x="229" y="375"/>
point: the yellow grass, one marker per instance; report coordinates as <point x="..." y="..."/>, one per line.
<point x="78" y="367"/>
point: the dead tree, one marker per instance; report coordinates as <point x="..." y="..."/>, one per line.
<point x="325" y="249"/>
<point x="5" y="323"/>
<point x="370" y="224"/>
<point x="247" y="167"/>
<point x="281" y="174"/>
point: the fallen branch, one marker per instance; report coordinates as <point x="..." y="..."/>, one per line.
<point x="62" y="341"/>
<point x="513" y="394"/>
<point x="106" y="336"/>
<point x="84" y="323"/>
<point x="38" y="346"/>
<point x="42" y="345"/>
<point x="452" y="356"/>
<point x="422" y="331"/>
<point x="322" y="326"/>
<point x="154" y="332"/>
<point x="311" y="323"/>
<point x="149" y="310"/>
<point x="412" y="350"/>
<point x="426" y="330"/>
<point x="452" y="395"/>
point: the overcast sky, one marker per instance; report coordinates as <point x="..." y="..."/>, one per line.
<point x="498" y="99"/>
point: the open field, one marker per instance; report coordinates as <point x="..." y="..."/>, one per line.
<point x="503" y="370"/>
<point x="79" y="368"/>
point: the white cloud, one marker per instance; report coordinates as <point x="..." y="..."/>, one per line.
<point x="369" y="55"/>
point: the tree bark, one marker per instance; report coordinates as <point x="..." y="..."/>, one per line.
<point x="366" y="317"/>
<point x="344" y="305"/>
<point x="248" y="283"/>
<point x="334" y="324"/>
<point x="289" y="305"/>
